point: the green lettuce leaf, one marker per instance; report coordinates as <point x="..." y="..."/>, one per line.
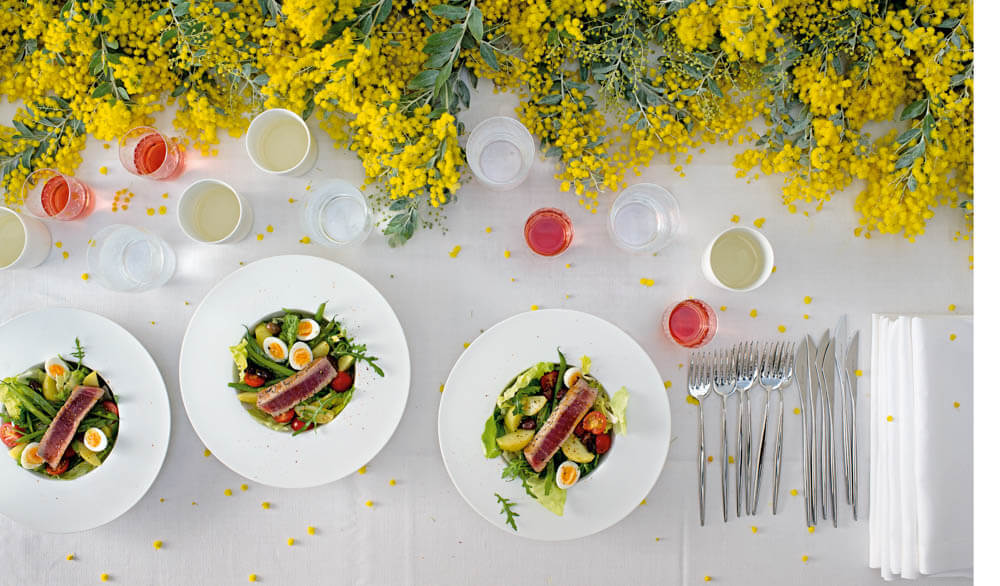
<point x="524" y="380"/>
<point x="239" y="353"/>
<point x="555" y="501"/>
<point x="490" y="449"/>
<point x="619" y="403"/>
<point x="585" y="364"/>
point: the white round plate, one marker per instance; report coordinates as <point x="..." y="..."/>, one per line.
<point x="632" y="466"/>
<point x="333" y="450"/>
<point x="104" y="494"/>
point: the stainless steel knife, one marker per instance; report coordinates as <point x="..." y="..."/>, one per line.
<point x="802" y="360"/>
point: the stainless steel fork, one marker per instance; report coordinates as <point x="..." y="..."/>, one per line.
<point x="770" y="379"/>
<point x="699" y="387"/>
<point x="747" y="370"/>
<point x="786" y="364"/>
<point x="724" y="384"/>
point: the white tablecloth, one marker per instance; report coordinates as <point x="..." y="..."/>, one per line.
<point x="420" y="531"/>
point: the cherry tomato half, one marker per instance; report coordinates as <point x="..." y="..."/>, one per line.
<point x="60" y="469"/>
<point x="253" y="380"/>
<point x="298" y="424"/>
<point x="342" y="381"/>
<point x="9" y="434"/>
<point x="110" y="406"/>
<point x="595" y="422"/>
<point x="284" y="417"/>
<point x="602" y="443"/>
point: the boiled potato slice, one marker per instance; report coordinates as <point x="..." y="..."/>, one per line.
<point x="533" y="404"/>
<point x="261" y="333"/>
<point x="247" y="397"/>
<point x="15" y="452"/>
<point x="91" y="379"/>
<point x="516" y="441"/>
<point x="344" y="362"/>
<point x="576" y="451"/>
<point x="321" y="350"/>
<point x="89" y="456"/>
<point x="511" y="421"/>
<point x="49" y="388"/>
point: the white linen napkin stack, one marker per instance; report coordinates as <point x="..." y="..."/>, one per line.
<point x="921" y="446"/>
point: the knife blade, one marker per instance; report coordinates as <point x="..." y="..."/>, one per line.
<point x="850" y="367"/>
<point x="802" y="384"/>
<point x="816" y="430"/>
<point x="829" y="371"/>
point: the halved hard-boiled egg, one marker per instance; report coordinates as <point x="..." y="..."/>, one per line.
<point x="572" y="375"/>
<point x="95" y="440"/>
<point x="56" y="368"/>
<point x="308" y="329"/>
<point x="300" y="355"/>
<point x="30" y="458"/>
<point x="567" y="474"/>
<point x="275" y="349"/>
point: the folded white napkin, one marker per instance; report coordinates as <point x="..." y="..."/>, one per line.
<point x="921" y="446"/>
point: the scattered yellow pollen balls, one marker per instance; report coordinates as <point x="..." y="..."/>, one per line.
<point x="812" y="529"/>
<point x="642" y="502"/>
<point x="105" y="577"/>
<point x="858" y="372"/>
<point x="311" y="530"/>
<point x="465" y="344"/>
<point x="708" y="578"/>
<point x="731" y="460"/>
<point x="207" y="453"/>
<point x="711" y="458"/>
<point x="723" y="308"/>
<point x="369" y="504"/>
<point x="759" y="222"/>
<point x="70" y="557"/>
<point x="165" y="195"/>
<point x="228" y="492"/>
<point x="782" y="329"/>
<point x="65" y="255"/>
<point x="534" y="308"/>
<point x="796" y="411"/>
<point x="735" y="219"/>
<point x="260" y="237"/>
<point x="647" y="282"/>
<point x="305" y="240"/>
<point x="244" y="487"/>
<point x="291" y="200"/>
<point x="506" y="254"/>
<point x="269" y="228"/>
<point x="291" y="541"/>
<point x="753" y="313"/>
<point x="952" y="337"/>
<point x="150" y="212"/>
<point x="951" y="307"/>
<point x="265" y="505"/>
<point x="103" y="170"/>
<point x="957" y="404"/>
<point x="489" y="229"/>
<point x="793" y="492"/>
<point x="362" y="469"/>
<point x="392" y="482"/>
<point x="85" y="276"/>
<point x="753" y="529"/>
<point x="691" y="400"/>
<point x="807" y="300"/>
<point x="157" y="544"/>
<point x="568" y="265"/>
<point x="805" y="316"/>
<point x="454" y="251"/>
<point x="252" y="578"/>
<point x="667" y="384"/>
<point x="58" y="244"/>
<point x="889" y="418"/>
<point x="805" y="558"/>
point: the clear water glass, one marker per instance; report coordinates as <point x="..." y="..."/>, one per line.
<point x="644" y="218"/>
<point x="130" y="259"/>
<point x="500" y="152"/>
<point x="337" y="214"/>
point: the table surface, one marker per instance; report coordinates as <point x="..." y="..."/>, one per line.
<point x="420" y="531"/>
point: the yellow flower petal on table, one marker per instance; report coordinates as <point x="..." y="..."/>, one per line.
<point x="311" y="530"/>
<point x="642" y="502"/>
<point x="105" y="577"/>
<point x="291" y="200"/>
<point x="731" y="460"/>
<point x="454" y="251"/>
<point x="957" y="404"/>
<point x="260" y="237"/>
<point x="723" y="308"/>
<point x="207" y="453"/>
<point x="793" y="492"/>
<point x="70" y="557"/>
<point x="369" y="504"/>
<point x="106" y="146"/>
<point x="796" y="410"/>
<point x="568" y="265"/>
<point x="165" y="195"/>
<point x="157" y="544"/>
<point x="228" y="492"/>
<point x="952" y="337"/>
<point x="305" y="240"/>
<point x="489" y="229"/>
<point x="759" y="222"/>
<point x="244" y="487"/>
<point x="58" y="244"/>
<point x="805" y="316"/>
<point x="269" y="228"/>
<point x="506" y="254"/>
<point x="753" y="529"/>
<point x="667" y="384"/>
<point x="782" y="329"/>
<point x="647" y="282"/>
<point x="711" y="458"/>
<point x="103" y="170"/>
<point x="392" y="482"/>
<point x="889" y="418"/>
<point x="150" y="212"/>
<point x="85" y="276"/>
<point x="465" y="344"/>
<point x="362" y="469"/>
<point x="265" y="505"/>
<point x="858" y="372"/>
<point x="735" y="219"/>
<point x="691" y="400"/>
<point x="163" y="210"/>
<point x="807" y="300"/>
<point x="805" y="558"/>
<point x="441" y="389"/>
<point x="753" y="313"/>
<point x="291" y="541"/>
<point x="252" y="577"/>
<point x="708" y="578"/>
<point x="65" y="255"/>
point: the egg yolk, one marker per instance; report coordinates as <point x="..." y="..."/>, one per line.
<point x="276" y="351"/>
<point x="31" y="455"/>
<point x="56" y="370"/>
<point x="91" y="438"/>
<point x="305" y="328"/>
<point x="301" y="356"/>
<point x="567" y="475"/>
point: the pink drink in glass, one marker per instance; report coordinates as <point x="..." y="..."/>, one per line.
<point x="548" y="232"/>
<point x="51" y="195"/>
<point x="145" y="152"/>
<point x="691" y="323"/>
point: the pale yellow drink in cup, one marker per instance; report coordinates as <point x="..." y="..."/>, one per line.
<point x="11" y="239"/>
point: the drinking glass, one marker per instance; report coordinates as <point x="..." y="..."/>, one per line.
<point x="644" y="218"/>
<point x="129" y="259"/>
<point x="279" y="142"/>
<point x="24" y="241"/>
<point x="738" y="259"/>
<point x="500" y="152"/>
<point x="691" y="323"/>
<point x="49" y="194"/>
<point x="146" y="152"/>
<point x="548" y="232"/>
<point x="212" y="212"/>
<point x="337" y="214"/>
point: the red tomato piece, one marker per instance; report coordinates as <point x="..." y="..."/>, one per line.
<point x="342" y="381"/>
<point x="9" y="434"/>
<point x="60" y="469"/>
<point x="595" y="422"/>
<point x="253" y="380"/>
<point x="602" y="443"/>
<point x="298" y="424"/>
<point x="110" y="406"/>
<point x="284" y="417"/>
<point x="548" y="381"/>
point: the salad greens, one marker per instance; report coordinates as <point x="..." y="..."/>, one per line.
<point x="523" y="408"/>
<point x="31" y="400"/>
<point x="278" y="347"/>
<point x="507" y="508"/>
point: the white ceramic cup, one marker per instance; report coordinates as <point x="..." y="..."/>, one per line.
<point x="188" y="212"/>
<point x="34" y="236"/>
<point x="267" y="142"/>
<point x="765" y="249"/>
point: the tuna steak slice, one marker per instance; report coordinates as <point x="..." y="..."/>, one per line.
<point x="63" y="427"/>
<point x="560" y="424"/>
<point x="284" y="395"/>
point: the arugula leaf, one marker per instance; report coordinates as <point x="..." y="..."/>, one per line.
<point x="78" y="353"/>
<point x="507" y="509"/>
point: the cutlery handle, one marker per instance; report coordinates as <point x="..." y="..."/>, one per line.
<point x="701" y="463"/>
<point x="724" y="469"/>
<point x="806" y="458"/>
<point x="779" y="442"/>
<point x="747" y="455"/>
<point x="831" y="459"/>
<point x="739" y="459"/>
<point x="854" y="457"/>
<point x="755" y="489"/>
<point x="845" y="440"/>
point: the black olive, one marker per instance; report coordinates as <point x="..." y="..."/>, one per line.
<point x="35" y="385"/>
<point x="259" y="371"/>
<point x="273" y="327"/>
<point x="547" y="394"/>
<point x="528" y="423"/>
